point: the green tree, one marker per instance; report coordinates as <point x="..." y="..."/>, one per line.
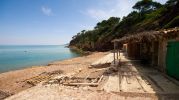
<point x="170" y="3"/>
<point x="150" y="16"/>
<point x="146" y="5"/>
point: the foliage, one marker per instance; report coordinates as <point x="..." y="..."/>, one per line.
<point x="173" y="23"/>
<point x="144" y="6"/>
<point x="150" y="16"/>
<point x="91" y="40"/>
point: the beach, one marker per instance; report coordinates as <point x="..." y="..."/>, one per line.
<point x="88" y="77"/>
<point x="13" y="82"/>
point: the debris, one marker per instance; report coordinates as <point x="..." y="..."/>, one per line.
<point x="33" y="81"/>
<point x="79" y="70"/>
<point x="77" y="84"/>
<point x="100" y="79"/>
<point x="4" y="94"/>
<point x="85" y="88"/>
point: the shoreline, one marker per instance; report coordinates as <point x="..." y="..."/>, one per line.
<point x="21" y="57"/>
<point x="79" y="50"/>
<point x="40" y="65"/>
<point x="12" y="82"/>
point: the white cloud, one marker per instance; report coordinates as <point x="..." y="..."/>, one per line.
<point x="109" y="8"/>
<point x="47" y="11"/>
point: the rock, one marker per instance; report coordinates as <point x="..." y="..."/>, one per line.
<point x="58" y="77"/>
<point x="75" y="88"/>
<point x="80" y="70"/>
<point x="51" y="81"/>
<point x="85" y="88"/>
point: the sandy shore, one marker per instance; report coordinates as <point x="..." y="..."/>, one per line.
<point x="15" y="81"/>
<point x="81" y="78"/>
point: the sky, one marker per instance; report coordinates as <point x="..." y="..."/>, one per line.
<point x="54" y="22"/>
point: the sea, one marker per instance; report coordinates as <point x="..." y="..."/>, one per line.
<point x="13" y="57"/>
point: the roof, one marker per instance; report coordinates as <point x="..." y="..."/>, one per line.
<point x="150" y="35"/>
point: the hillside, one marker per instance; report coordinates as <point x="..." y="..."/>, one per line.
<point x="147" y="15"/>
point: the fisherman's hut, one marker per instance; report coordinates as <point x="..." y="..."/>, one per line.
<point x="159" y="49"/>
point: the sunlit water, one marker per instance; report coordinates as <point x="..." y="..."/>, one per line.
<point x="18" y="57"/>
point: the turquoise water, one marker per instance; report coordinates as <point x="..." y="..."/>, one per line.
<point x="18" y="57"/>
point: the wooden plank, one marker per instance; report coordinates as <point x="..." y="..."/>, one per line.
<point x="100" y="79"/>
<point x="89" y="84"/>
<point x="75" y="84"/>
<point x="140" y="83"/>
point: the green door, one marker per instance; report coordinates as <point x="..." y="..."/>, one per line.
<point x="172" y="59"/>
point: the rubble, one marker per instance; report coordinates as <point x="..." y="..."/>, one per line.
<point x="4" y="94"/>
<point x="71" y="80"/>
<point x="33" y="81"/>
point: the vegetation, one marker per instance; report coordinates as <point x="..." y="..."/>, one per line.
<point x="147" y="15"/>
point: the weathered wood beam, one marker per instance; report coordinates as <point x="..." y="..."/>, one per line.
<point x="89" y="84"/>
<point x="114" y="52"/>
<point x="75" y="84"/>
<point x="100" y="79"/>
<point x="117" y="52"/>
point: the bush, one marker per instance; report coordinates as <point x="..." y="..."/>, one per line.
<point x="156" y="14"/>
